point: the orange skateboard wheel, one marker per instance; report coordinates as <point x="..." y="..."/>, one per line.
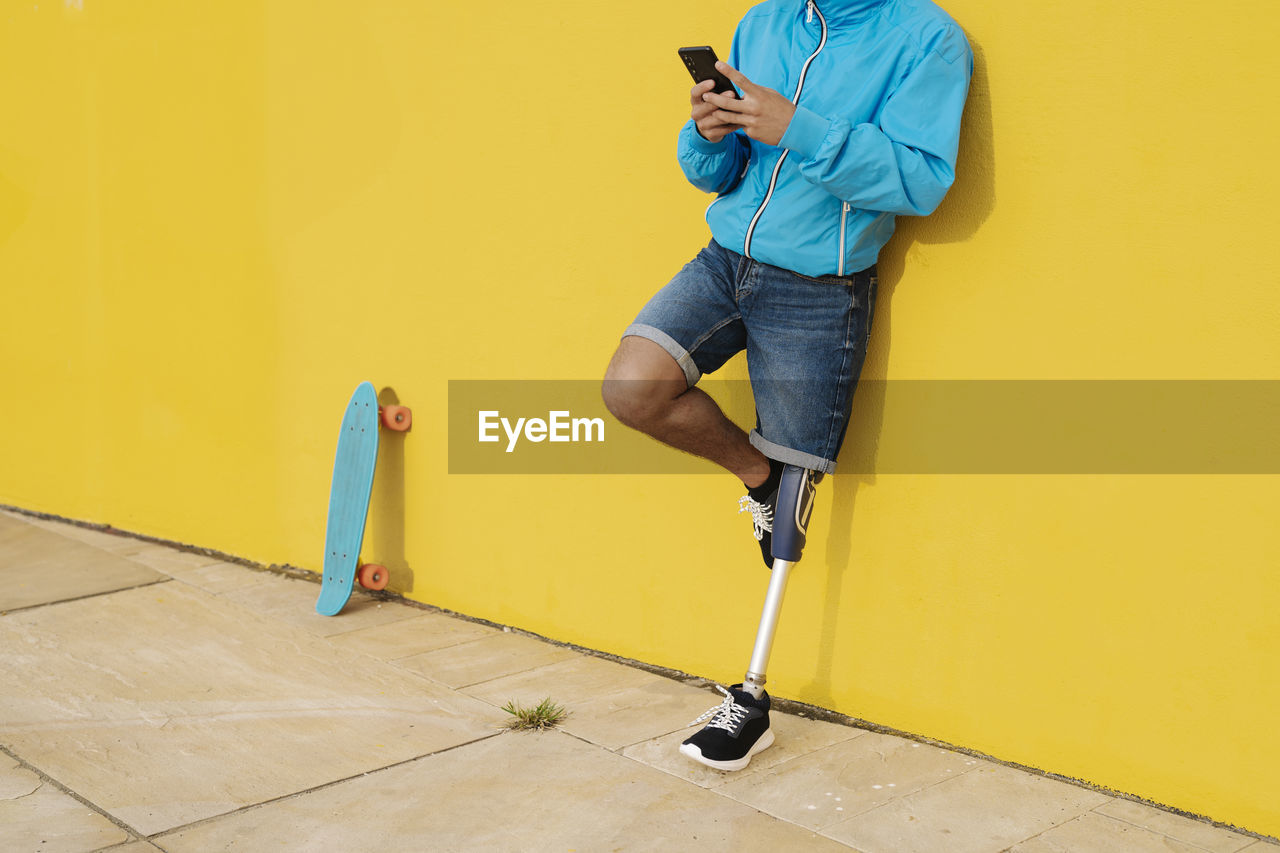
<point x="373" y="576"/>
<point x="398" y="418"/>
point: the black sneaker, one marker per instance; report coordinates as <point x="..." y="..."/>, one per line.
<point x="762" y="522"/>
<point x="761" y="501"/>
<point x="739" y="728"/>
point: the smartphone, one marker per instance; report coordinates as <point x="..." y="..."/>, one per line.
<point x="701" y="62"/>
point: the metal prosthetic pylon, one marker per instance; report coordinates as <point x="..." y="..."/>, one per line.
<point x="790" y="523"/>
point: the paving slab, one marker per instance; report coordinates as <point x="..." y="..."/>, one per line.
<point x="487" y="659"/>
<point x="292" y="601"/>
<point x="985" y="810"/>
<point x="39" y="566"/>
<point x="526" y="792"/>
<point x="13" y="526"/>
<point x="634" y="715"/>
<point x="170" y="561"/>
<point x="794" y="737"/>
<point x="1097" y="833"/>
<point x="571" y="681"/>
<point x="106" y="540"/>
<point x="166" y="705"/>
<point x="610" y="704"/>
<point x="1189" y="831"/>
<point x="219" y="578"/>
<point x="405" y="638"/>
<point x="36" y="816"/>
<point x="844" y="780"/>
<point x="65" y="528"/>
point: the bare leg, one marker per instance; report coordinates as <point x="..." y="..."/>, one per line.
<point x="645" y="388"/>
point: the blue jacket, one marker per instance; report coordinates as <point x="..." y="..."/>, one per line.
<point x="879" y="86"/>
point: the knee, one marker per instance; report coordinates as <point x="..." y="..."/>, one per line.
<point x="637" y="399"/>
<point x="629" y="400"/>
<point x="641" y="383"/>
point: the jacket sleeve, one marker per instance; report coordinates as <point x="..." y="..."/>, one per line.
<point x="714" y="167"/>
<point x="906" y="163"/>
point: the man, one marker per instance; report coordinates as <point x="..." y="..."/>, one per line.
<point x="848" y="115"/>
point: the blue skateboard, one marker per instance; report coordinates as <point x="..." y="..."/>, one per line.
<point x="353" y="468"/>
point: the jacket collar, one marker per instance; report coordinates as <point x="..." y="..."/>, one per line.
<point x="845" y="11"/>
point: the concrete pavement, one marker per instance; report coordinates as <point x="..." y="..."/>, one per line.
<point x="156" y="699"/>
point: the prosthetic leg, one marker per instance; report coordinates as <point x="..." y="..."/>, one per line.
<point x="790" y="522"/>
<point x="739" y="726"/>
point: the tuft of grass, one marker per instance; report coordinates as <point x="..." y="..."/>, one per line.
<point x="545" y="715"/>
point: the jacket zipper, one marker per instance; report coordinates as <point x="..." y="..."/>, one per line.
<point x="844" y="216"/>
<point x="795" y="99"/>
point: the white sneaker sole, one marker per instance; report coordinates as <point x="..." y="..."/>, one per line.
<point x="764" y="742"/>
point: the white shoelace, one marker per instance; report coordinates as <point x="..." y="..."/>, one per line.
<point x="761" y="515"/>
<point x="727" y="715"/>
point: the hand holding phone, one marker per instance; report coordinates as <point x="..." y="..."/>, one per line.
<point x="701" y="62"/>
<point x="719" y="108"/>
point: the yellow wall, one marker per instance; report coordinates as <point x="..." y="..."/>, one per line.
<point x="216" y="219"/>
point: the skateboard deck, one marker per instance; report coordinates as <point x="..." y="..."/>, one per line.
<point x="353" y="468"/>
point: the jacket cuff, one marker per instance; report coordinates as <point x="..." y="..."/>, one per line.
<point x="695" y="141"/>
<point x="805" y="133"/>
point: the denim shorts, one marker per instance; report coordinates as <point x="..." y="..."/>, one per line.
<point x="805" y="339"/>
